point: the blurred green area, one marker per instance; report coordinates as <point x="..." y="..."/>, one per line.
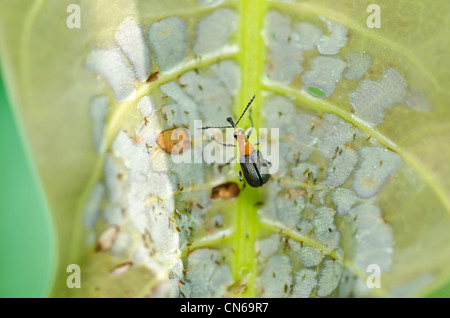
<point x="27" y="244"/>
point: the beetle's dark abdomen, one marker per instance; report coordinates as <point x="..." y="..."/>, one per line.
<point x="255" y="169"/>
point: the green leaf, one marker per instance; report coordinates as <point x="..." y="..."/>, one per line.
<point x="362" y="173"/>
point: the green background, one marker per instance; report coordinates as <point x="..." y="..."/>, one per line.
<point x="27" y="241"/>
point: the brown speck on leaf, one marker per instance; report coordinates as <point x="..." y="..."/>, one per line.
<point x="153" y="77"/>
<point x="226" y="191"/>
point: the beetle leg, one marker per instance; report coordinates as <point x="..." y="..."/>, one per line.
<point x="256" y="143"/>
<point x="240" y="175"/>
<point x="223" y="143"/>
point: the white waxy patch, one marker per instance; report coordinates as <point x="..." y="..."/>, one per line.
<point x="207" y="275"/>
<point x="267" y="247"/>
<point x="321" y="195"/>
<point x="121" y="243"/>
<point x="279" y="112"/>
<point x="304" y="283"/>
<point x="347" y="283"/>
<point x="214" y="30"/>
<point x="99" y="109"/>
<point x="112" y="179"/>
<point x="374" y="238"/>
<point x="371" y="98"/>
<point x="288" y="212"/>
<point x="325" y="229"/>
<point x="121" y="269"/>
<point x="135" y="155"/>
<point x="93" y="205"/>
<point x="106" y="239"/>
<point x="304" y="226"/>
<point x="113" y="215"/>
<point x="211" y="96"/>
<point x="131" y="39"/>
<point x="184" y="102"/>
<point x="162" y="229"/>
<point x="306" y="35"/>
<point x="341" y="167"/>
<point x="375" y="167"/>
<point x="331" y="44"/>
<point x="174" y="115"/>
<point x="344" y="199"/>
<point x="325" y="73"/>
<point x="416" y="99"/>
<point x="275" y="276"/>
<point x="285" y="56"/>
<point x="229" y="73"/>
<point x="145" y="105"/>
<point x="358" y="64"/>
<point x="333" y="133"/>
<point x="168" y="39"/>
<point x="147" y="135"/>
<point x="111" y="64"/>
<point x="310" y="256"/>
<point x="330" y="276"/>
<point x="136" y="196"/>
<point x="160" y="184"/>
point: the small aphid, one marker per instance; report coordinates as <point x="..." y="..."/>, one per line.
<point x="180" y="187"/>
<point x="178" y="229"/>
<point x="146" y="120"/>
<point x="153" y="77"/>
<point x="381" y="162"/>
<point x="200" y="87"/>
<point x="200" y="206"/>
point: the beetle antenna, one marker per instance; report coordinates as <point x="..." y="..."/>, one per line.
<point x="220" y="127"/>
<point x="248" y="105"/>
